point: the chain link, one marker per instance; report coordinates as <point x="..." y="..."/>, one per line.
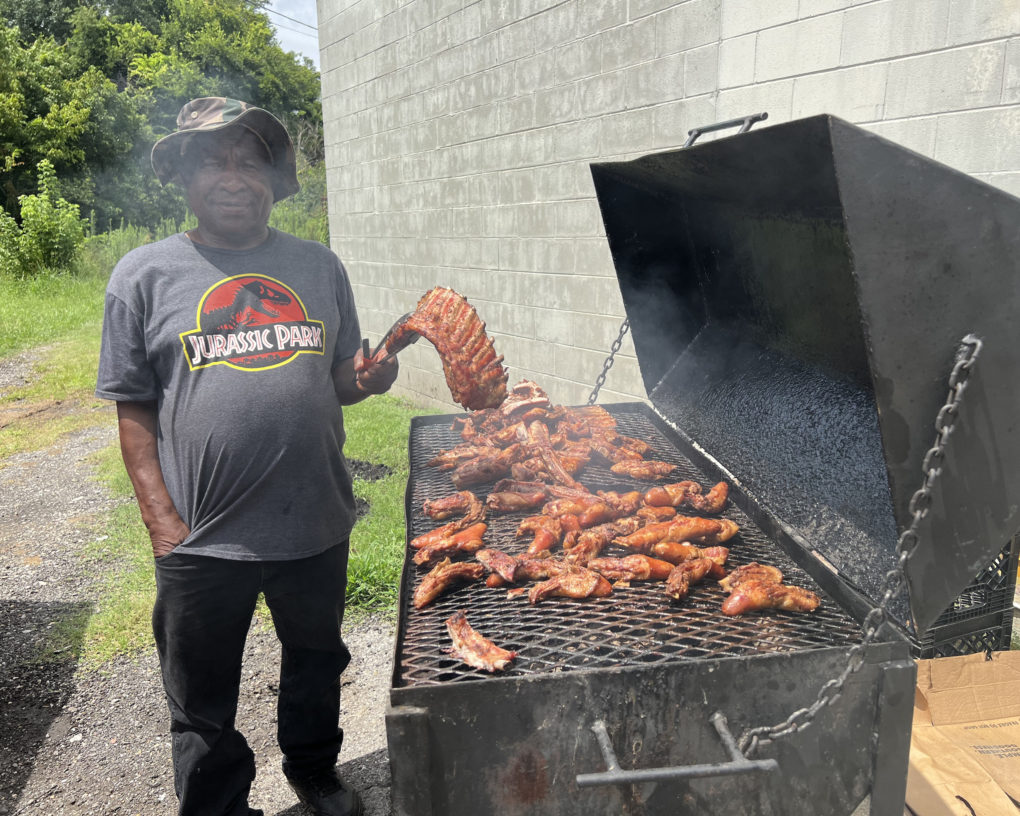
<point x="608" y="364"/>
<point x="895" y="579"/>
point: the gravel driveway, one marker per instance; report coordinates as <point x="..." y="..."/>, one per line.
<point x="77" y="741"/>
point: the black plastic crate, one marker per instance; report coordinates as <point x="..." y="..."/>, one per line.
<point x="981" y="618"/>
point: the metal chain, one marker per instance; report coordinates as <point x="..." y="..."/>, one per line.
<point x="895" y="579"/>
<point x="608" y="364"/>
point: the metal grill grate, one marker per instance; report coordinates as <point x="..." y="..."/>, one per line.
<point x="636" y="625"/>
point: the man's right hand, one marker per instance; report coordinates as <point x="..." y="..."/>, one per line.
<point x="167" y="536"/>
<point x="136" y="422"/>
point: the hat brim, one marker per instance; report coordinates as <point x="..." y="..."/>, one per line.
<point x="166" y="153"/>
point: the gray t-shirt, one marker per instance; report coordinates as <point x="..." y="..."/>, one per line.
<point x="237" y="348"/>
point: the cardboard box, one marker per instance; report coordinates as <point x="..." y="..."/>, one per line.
<point x="965" y="745"/>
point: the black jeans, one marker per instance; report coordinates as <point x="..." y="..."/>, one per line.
<point x="203" y="610"/>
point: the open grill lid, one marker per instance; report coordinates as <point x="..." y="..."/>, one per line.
<point x="797" y="296"/>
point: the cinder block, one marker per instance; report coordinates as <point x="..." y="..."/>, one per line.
<point x="855" y="94"/>
<point x="741" y="16"/>
<point x="798" y="48"/>
<point x="651" y="82"/>
<point x="483" y="87"/>
<point x="812" y="8"/>
<point x="579" y="217"/>
<point x="975" y="20"/>
<point x="736" y="60"/>
<point x="555" y="105"/>
<point x="493" y="15"/>
<point x="598" y="17"/>
<point x="627" y="44"/>
<point x="575" y="140"/>
<point x="535" y="73"/>
<point x="625" y="134"/>
<point x="642" y="8"/>
<point x="575" y="60"/>
<point x="594" y="295"/>
<point x="977" y="141"/>
<point x="893" y="28"/>
<point x="1011" y="80"/>
<point x="600" y="94"/>
<point x="773" y="98"/>
<point x="701" y="70"/>
<point x="946" y="81"/>
<point x="674" y="120"/>
<point x="592" y="256"/>
<point x="516" y="113"/>
<point x="687" y="25"/>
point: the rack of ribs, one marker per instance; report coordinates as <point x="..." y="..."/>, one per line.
<point x="474" y="372"/>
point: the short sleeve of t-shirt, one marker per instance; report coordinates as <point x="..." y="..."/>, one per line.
<point x="348" y="339"/>
<point x="124" y="370"/>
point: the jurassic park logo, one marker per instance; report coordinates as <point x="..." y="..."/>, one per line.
<point x="251" y="322"/>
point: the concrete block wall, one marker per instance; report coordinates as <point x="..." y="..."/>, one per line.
<point x="459" y="133"/>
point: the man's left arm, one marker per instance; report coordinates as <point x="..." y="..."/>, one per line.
<point x="354" y="378"/>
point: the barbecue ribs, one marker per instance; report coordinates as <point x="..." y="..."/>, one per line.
<point x="474" y="372"/>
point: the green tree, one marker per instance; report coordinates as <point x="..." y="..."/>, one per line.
<point x="39" y="18"/>
<point x="93" y="96"/>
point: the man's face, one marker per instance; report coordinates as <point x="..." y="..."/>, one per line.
<point x="229" y="181"/>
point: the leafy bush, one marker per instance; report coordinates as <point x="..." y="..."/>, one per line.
<point x="304" y="214"/>
<point x="50" y="233"/>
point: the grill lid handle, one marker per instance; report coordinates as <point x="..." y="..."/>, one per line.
<point x="744" y="122"/>
<point x="615" y="775"/>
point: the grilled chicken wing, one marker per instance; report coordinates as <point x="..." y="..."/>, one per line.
<point x="498" y="563"/>
<point x="643" y="469"/>
<point x="651" y="515"/>
<point x="532" y="568"/>
<point x="752" y="596"/>
<point x="681" y="528"/>
<point x="449" y="459"/>
<point x="445" y="575"/>
<point x="509" y="501"/>
<point x="468" y="540"/>
<point x="635" y="567"/>
<point x="573" y="582"/>
<point x="711" y="502"/>
<point x="676" y="552"/>
<point x="451" y="505"/>
<point x="477" y="651"/>
<point x="754" y="571"/>
<point x="678" y="584"/>
<point x="689" y="494"/>
<point x="547" y="532"/>
<point x="584" y="545"/>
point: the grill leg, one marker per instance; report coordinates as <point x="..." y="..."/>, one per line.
<point x="892" y="738"/>
<point x="407" y="735"/>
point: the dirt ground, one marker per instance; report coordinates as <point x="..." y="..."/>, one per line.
<point x="82" y="741"/>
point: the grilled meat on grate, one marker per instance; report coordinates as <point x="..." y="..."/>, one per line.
<point x="474" y="373"/>
<point x="474" y="649"/>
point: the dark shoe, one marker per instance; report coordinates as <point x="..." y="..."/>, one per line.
<point x="328" y="795"/>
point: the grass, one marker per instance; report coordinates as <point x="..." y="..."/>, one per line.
<point x="377" y="432"/>
<point x="58" y="314"/>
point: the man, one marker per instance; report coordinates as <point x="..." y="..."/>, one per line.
<point x="230" y="350"/>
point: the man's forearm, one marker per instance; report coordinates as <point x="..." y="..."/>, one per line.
<point x="136" y="423"/>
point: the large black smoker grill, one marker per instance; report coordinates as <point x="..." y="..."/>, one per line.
<point x="797" y="297"/>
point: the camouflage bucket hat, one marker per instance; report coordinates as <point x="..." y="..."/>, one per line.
<point x="213" y="113"/>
